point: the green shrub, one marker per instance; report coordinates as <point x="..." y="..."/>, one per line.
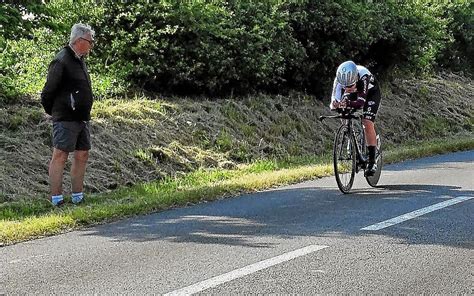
<point x="458" y="55"/>
<point x="240" y="47"/>
<point x="29" y="44"/>
<point x="196" y="46"/>
<point x="233" y="47"/>
<point x="25" y="65"/>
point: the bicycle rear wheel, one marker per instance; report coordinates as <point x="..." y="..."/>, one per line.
<point x="344" y="159"/>
<point x="373" y="180"/>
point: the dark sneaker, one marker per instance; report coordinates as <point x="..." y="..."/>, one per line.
<point x="371" y="169"/>
<point x="77" y="201"/>
<point x="58" y="204"/>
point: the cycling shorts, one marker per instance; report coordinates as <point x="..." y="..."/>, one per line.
<point x="372" y="103"/>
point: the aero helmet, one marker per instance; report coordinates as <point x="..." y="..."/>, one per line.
<point x="347" y="73"/>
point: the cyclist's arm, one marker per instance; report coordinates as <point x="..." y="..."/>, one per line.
<point x="362" y="91"/>
<point x="336" y="96"/>
<point x="356" y="103"/>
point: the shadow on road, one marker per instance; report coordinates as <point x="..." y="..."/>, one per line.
<point x="448" y="162"/>
<point x="253" y="220"/>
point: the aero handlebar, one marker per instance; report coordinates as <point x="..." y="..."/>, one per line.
<point x="344" y="115"/>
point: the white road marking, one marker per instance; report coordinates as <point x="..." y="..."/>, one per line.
<point x="417" y="213"/>
<point x="249" y="269"/>
<point x="26" y="259"/>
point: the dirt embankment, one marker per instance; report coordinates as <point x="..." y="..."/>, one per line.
<point x="137" y="141"/>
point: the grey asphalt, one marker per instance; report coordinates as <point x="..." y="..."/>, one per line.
<point x="166" y="251"/>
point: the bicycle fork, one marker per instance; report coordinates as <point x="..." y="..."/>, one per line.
<point x="361" y="158"/>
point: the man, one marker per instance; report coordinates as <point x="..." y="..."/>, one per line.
<point x="355" y="87"/>
<point x="67" y="97"/>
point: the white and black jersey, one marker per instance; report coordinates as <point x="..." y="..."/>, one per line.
<point x="366" y="94"/>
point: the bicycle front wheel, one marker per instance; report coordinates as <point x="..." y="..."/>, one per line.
<point x="344" y="158"/>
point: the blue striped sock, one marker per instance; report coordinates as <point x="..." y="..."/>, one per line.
<point x="77" y="197"/>
<point x="55" y="199"/>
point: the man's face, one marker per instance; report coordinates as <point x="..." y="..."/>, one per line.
<point x="84" y="44"/>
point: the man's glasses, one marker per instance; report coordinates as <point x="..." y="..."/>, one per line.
<point x="91" y="42"/>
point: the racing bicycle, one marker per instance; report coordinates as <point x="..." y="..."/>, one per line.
<point x="350" y="151"/>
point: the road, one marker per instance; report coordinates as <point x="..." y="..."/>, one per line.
<point x="306" y="238"/>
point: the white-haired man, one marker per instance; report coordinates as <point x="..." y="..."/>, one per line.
<point x="67" y="97"/>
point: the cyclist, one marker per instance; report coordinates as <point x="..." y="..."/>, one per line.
<point x="355" y="87"/>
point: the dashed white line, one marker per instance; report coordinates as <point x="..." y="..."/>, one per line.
<point x="28" y="258"/>
<point x="417" y="213"/>
<point x="249" y="269"/>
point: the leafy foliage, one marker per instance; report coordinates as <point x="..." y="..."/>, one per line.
<point x="235" y="47"/>
<point x="200" y="47"/>
<point x="458" y="55"/>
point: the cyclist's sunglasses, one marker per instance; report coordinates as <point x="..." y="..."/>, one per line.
<point x="349" y="86"/>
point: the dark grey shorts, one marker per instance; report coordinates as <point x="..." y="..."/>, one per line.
<point x="71" y="135"/>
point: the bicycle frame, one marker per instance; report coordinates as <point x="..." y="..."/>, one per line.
<point x="356" y="154"/>
<point x="359" y="139"/>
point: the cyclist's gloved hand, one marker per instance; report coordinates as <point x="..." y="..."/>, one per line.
<point x="349" y="96"/>
<point x="339" y="105"/>
<point x="353" y="101"/>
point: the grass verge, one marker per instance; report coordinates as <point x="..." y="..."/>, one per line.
<point x="28" y="219"/>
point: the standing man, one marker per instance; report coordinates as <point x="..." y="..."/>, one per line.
<point x="67" y="97"/>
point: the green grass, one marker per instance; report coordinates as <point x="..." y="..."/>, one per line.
<point x="28" y="219"/>
<point x="135" y="111"/>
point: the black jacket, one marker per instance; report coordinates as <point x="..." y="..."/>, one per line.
<point x="67" y="94"/>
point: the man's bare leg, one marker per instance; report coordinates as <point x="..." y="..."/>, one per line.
<point x="56" y="171"/>
<point x="78" y="169"/>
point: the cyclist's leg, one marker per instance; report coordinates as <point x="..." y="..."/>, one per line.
<point x="370" y="135"/>
<point x="370" y="111"/>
